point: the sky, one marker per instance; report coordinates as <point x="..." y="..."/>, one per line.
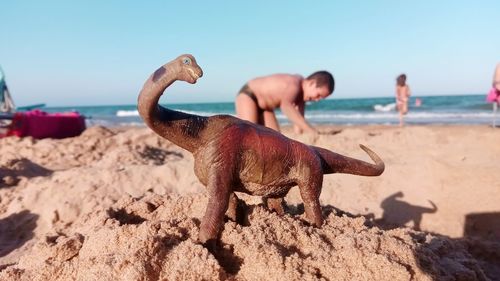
<point x="70" y="53"/>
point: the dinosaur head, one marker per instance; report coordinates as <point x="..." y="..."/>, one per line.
<point x="188" y="69"/>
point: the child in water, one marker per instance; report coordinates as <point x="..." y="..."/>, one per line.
<point x="402" y="97"/>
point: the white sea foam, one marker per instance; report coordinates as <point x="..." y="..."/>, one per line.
<point x="126" y="113"/>
<point x="325" y="116"/>
<point x="419" y="115"/>
<point x="384" y="107"/>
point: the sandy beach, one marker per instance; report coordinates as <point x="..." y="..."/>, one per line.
<point x="124" y="204"/>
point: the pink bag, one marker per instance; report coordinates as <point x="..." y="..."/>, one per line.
<point x="40" y="124"/>
<point x="493" y="95"/>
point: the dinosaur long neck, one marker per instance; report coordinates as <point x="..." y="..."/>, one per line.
<point x="180" y="128"/>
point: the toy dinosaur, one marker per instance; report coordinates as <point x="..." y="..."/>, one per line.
<point x="233" y="155"/>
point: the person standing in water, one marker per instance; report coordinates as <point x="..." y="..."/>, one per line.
<point x="496" y="78"/>
<point x="402" y="96"/>
<point x="6" y="102"/>
<point x="494" y="94"/>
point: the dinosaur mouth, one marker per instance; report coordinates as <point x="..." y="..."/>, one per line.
<point x="194" y="75"/>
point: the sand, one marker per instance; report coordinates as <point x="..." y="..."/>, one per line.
<point x="124" y="204"/>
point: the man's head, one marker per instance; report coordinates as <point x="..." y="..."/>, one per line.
<point x="318" y="85"/>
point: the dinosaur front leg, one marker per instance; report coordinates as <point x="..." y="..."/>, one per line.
<point x="310" y="191"/>
<point x="218" y="187"/>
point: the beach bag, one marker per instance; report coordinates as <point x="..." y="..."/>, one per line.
<point x="39" y="124"/>
<point x="492" y="95"/>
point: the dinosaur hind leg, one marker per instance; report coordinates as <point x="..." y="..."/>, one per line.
<point x="236" y="209"/>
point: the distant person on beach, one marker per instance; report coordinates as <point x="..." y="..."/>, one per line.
<point x="257" y="99"/>
<point x="494" y="94"/>
<point x="402" y="95"/>
<point x="6" y="102"/>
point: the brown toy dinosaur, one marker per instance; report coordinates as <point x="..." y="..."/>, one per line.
<point x="231" y="154"/>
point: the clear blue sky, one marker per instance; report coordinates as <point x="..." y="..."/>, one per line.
<point x="100" y="52"/>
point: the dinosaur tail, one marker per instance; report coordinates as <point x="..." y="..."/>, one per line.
<point x="335" y="163"/>
<point x="434" y="207"/>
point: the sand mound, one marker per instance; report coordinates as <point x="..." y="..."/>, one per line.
<point x="125" y="205"/>
<point x="154" y="238"/>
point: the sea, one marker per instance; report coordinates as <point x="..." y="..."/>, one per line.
<point x="451" y="110"/>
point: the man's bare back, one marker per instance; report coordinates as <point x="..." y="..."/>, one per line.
<point x="271" y="90"/>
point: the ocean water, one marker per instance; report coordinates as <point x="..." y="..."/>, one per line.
<point x="466" y="109"/>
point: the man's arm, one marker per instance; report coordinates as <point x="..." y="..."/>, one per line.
<point x="300" y="107"/>
<point x="296" y="117"/>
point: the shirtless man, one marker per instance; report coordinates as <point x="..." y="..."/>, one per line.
<point x="258" y="99"/>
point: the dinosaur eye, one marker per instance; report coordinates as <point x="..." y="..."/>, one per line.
<point x="186" y="61"/>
